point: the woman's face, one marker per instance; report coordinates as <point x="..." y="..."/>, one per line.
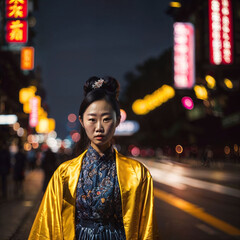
<point x="99" y="121"/>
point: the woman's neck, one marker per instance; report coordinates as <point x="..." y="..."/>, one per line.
<point x="101" y="149"/>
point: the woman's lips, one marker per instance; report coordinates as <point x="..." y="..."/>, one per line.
<point x="99" y="137"/>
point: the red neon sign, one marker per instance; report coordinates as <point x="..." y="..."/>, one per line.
<point x="16" y="9"/>
<point x="220" y="32"/>
<point x="184" y="66"/>
<point x="16" y="31"/>
<point x="33" y="117"/>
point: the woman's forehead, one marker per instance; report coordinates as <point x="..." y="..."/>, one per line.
<point x="99" y="107"/>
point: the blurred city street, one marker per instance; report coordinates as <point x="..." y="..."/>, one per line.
<point x="169" y="74"/>
<point x="195" y="202"/>
<point x="192" y="201"/>
<point x="17" y="212"/>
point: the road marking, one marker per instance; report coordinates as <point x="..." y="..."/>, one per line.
<point x="206" y="229"/>
<point x="197" y="212"/>
<point x="180" y="182"/>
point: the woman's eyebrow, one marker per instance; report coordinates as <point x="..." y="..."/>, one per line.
<point x="102" y="114"/>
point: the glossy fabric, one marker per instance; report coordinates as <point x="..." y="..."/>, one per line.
<point x="56" y="216"/>
<point x="98" y="199"/>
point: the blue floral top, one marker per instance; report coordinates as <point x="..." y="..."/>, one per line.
<point x="98" y="199"/>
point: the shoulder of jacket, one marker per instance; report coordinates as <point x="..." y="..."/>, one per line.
<point x="137" y="166"/>
<point x="66" y="165"/>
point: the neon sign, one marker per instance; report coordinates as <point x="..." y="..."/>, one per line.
<point x="16" y="31"/>
<point x="220" y="32"/>
<point x="33" y="117"/>
<point x="27" y="58"/>
<point x="16" y="25"/>
<point x="16" y="9"/>
<point x="184" y="67"/>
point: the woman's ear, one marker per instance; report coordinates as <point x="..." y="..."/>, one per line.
<point x="81" y="121"/>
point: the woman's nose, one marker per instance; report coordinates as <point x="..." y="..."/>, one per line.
<point x="99" y="127"/>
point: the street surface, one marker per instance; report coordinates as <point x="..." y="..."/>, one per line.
<point x="192" y="202"/>
<point x="196" y="202"/>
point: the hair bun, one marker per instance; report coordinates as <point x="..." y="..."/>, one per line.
<point x="109" y="84"/>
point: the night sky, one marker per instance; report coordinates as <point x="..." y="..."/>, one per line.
<point x="78" y="39"/>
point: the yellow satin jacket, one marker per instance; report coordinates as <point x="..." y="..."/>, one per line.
<point x="56" y="215"/>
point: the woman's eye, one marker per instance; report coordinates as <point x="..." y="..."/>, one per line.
<point x="91" y="119"/>
<point x="106" y="119"/>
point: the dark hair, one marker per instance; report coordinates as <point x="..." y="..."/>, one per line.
<point x="96" y="89"/>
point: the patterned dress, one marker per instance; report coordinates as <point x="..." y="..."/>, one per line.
<point x="98" y="200"/>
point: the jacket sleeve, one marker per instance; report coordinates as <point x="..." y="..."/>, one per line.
<point x="148" y="229"/>
<point x="48" y="222"/>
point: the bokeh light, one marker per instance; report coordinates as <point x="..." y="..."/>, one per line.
<point x="151" y="101"/>
<point x="227" y="150"/>
<point x="35" y="145"/>
<point x="76" y="137"/>
<point x="72" y="117"/>
<point x="123" y="115"/>
<point x="201" y="92"/>
<point x="20" y="132"/>
<point x="187" y="102"/>
<point x="228" y="83"/>
<point x="16" y="126"/>
<point x="179" y="149"/>
<point x="27" y="147"/>
<point x="66" y="143"/>
<point x="135" y="151"/>
<point x="211" y="82"/>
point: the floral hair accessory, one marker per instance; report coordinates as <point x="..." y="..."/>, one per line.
<point x="98" y="83"/>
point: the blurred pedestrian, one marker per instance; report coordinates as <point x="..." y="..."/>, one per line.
<point x="49" y="165"/>
<point x="207" y="156"/>
<point x="31" y="157"/>
<point x="19" y="171"/>
<point x="100" y="194"/>
<point x="5" y="166"/>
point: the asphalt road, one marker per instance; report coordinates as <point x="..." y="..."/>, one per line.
<point x="196" y="203"/>
<point x="192" y="203"/>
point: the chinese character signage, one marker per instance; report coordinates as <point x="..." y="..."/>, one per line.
<point x="27" y="58"/>
<point x="184" y="58"/>
<point x="16" y="24"/>
<point x="16" y="9"/>
<point x="220" y="32"/>
<point x="16" y="31"/>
